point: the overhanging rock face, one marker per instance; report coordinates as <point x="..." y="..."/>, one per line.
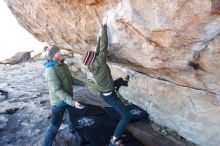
<point x="175" y="44"/>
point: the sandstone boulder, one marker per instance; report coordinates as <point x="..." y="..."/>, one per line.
<point x="171" y="45"/>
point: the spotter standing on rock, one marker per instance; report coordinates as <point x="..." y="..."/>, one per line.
<point x="60" y="82"/>
<point x="96" y="62"/>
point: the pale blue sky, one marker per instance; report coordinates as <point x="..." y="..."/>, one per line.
<point x="13" y="37"/>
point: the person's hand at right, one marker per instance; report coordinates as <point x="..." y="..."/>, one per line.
<point x="78" y="105"/>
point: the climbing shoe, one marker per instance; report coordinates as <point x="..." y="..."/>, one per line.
<point x="126" y="80"/>
<point x="117" y="142"/>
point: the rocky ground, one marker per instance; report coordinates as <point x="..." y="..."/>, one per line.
<point x="25" y="114"/>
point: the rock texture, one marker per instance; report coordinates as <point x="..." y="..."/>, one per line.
<point x="17" y="58"/>
<point x="193" y="113"/>
<point x="173" y="44"/>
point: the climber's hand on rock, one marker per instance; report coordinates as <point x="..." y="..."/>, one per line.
<point x="105" y="19"/>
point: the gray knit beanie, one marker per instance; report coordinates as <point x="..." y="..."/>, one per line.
<point x="50" y="52"/>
